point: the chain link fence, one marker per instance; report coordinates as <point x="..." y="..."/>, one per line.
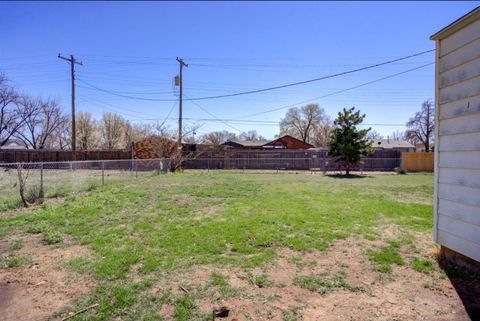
<point x="53" y="179"/>
<point x="324" y="164"/>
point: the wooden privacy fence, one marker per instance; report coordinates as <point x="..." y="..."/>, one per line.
<point x="418" y="161"/>
<point x="39" y="155"/>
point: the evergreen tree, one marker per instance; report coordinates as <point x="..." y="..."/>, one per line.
<point x="347" y="142"/>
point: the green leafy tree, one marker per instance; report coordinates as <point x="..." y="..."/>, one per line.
<point x="347" y="142"/>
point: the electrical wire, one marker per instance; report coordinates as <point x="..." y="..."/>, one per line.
<point x="269" y="88"/>
<point x="252" y="122"/>
<point x="135" y="92"/>
<point x="337" y="92"/>
<point x="115" y="107"/>
<point x="168" y="115"/>
<point x="206" y="111"/>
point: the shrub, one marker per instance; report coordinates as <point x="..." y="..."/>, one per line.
<point x="400" y="170"/>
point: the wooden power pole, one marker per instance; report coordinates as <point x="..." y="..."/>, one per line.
<point x="180" y="83"/>
<point x="73" y="61"/>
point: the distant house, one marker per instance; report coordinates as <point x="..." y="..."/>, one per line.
<point x="284" y="142"/>
<point x="457" y="139"/>
<point x="245" y="144"/>
<point x="399" y="145"/>
<point x="287" y="142"/>
<point x="13" y="144"/>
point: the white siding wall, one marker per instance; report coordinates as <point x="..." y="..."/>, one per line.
<point x="457" y="170"/>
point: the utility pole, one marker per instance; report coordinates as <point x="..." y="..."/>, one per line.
<point x="73" y="61"/>
<point x="180" y="61"/>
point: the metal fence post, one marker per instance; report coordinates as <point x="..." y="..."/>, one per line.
<point x="136" y="170"/>
<point x="41" y="181"/>
<point x="103" y="173"/>
<point x="208" y="166"/>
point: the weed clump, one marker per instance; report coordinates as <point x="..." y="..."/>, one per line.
<point x="324" y="283"/>
<point x="384" y="258"/>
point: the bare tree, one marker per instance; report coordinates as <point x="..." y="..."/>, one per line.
<point x="88" y="135"/>
<point x="12" y="115"/>
<point x="218" y="137"/>
<point x="62" y="138"/>
<point x="397" y="135"/>
<point x="302" y="122"/>
<point x="251" y="136"/>
<point x="112" y="128"/>
<point x="137" y="132"/>
<point x="322" y="132"/>
<point x="421" y="127"/>
<point x="374" y="135"/>
<point x="42" y="121"/>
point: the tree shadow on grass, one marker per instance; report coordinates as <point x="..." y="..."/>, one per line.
<point x="349" y="176"/>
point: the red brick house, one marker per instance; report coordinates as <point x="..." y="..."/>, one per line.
<point x="287" y="142"/>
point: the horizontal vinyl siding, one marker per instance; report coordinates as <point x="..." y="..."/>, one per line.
<point x="456" y="58"/>
<point x="459" y="244"/>
<point x="460" y="194"/>
<point x="460" y="38"/>
<point x="460" y="228"/>
<point x="458" y="142"/>
<point x="463" y="107"/>
<point x="461" y="73"/>
<point x="459" y="176"/>
<point x="462" y="212"/>
<point x="461" y="125"/>
<point x="465" y="89"/>
<point x="466" y="160"/>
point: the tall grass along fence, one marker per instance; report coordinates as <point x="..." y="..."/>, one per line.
<point x="43" y="155"/>
<point x="379" y="160"/>
<point x="418" y="162"/>
<point x="51" y="179"/>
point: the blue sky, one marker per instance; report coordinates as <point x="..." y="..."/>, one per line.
<point x="130" y="48"/>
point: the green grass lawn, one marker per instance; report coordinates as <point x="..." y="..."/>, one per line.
<point x="162" y="223"/>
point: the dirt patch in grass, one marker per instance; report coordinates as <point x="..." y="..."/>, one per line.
<point x="36" y="290"/>
<point x="354" y="290"/>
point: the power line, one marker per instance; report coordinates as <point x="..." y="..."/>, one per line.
<point x="268" y="65"/>
<point x="115" y="108"/>
<point x="315" y="79"/>
<point x="105" y="107"/>
<point x="136" y="92"/>
<point x="215" y="117"/>
<point x="269" y="88"/>
<point x="169" y="113"/>
<point x="258" y="122"/>
<point x="251" y="122"/>
<point x="337" y="92"/>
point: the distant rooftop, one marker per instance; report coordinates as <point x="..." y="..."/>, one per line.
<point x="248" y="143"/>
<point x="389" y="143"/>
